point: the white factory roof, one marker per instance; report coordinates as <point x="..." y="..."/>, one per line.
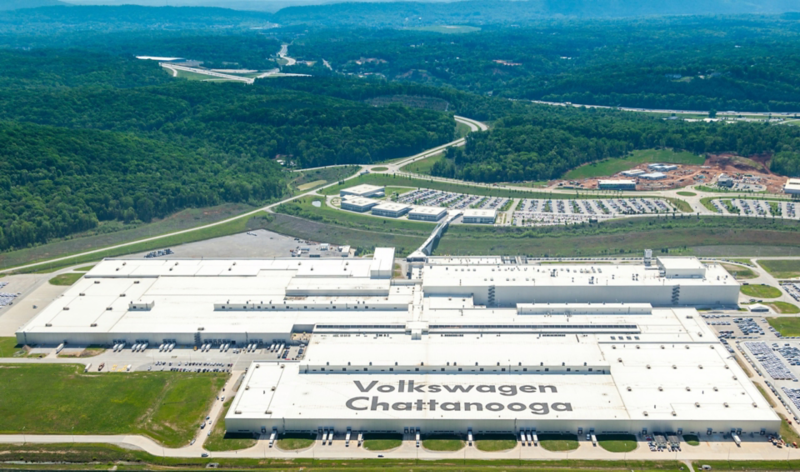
<point x="391" y="206"/>
<point x="359" y="201"/>
<point x="653" y="175"/>
<point x="617" y="182"/>
<point x="631" y="379"/>
<point x="363" y="189"/>
<point x="426" y="210"/>
<point x="479" y="213"/>
<point x="792" y="186"/>
<point x="633" y="172"/>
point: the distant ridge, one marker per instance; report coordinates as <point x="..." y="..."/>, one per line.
<point x="6" y="5"/>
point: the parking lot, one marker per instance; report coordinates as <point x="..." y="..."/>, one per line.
<point x="456" y="201"/>
<point x="793" y="289"/>
<point x="742" y="207"/>
<point x="538" y="212"/>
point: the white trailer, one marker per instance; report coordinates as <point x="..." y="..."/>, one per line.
<point x="347" y="438"/>
<point x="272" y="436"/>
<point x="469" y="436"/>
<point x="594" y="440"/>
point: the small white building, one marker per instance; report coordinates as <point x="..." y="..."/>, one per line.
<point x="479" y="216"/>
<point x="653" y="176"/>
<point x="424" y="213"/>
<point x="632" y="172"/>
<point x="359" y="204"/>
<point x="616" y="184"/>
<point x="392" y="210"/>
<point x="363" y="190"/>
<point x="662" y="167"/>
<point x="792" y="187"/>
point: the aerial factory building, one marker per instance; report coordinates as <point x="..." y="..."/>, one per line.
<point x="475" y="343"/>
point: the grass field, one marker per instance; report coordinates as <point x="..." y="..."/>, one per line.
<point x="788" y="433"/>
<point x="787" y="326"/>
<point x="617" y="442"/>
<point x="220" y="440"/>
<point x="443" y="443"/>
<point x="784" y="308"/>
<point x="310" y="185"/>
<point x="109" y="234"/>
<point x="739" y="272"/>
<point x="398" y="190"/>
<point x="787" y="269"/>
<point x="495" y="442"/>
<point x="691" y="439"/>
<point x="382" y="442"/>
<point x="559" y="442"/>
<point x="613" y="166"/>
<point x="423" y="166"/>
<point x="61" y="399"/>
<point x="380" y="169"/>
<point x="66" y="279"/>
<point x="687" y="194"/>
<point x="97" y="456"/>
<point x="295" y="441"/>
<point x="84" y="268"/>
<point x="760" y="291"/>
<point x="305" y="180"/>
<point x="675" y="236"/>
<point x="8" y="348"/>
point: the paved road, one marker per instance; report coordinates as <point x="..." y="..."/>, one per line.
<point x="677" y="112"/>
<point x="175" y="68"/>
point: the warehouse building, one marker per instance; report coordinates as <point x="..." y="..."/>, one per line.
<point x="423" y="213"/>
<point x="363" y="190"/>
<point x="479" y="216"/>
<point x="662" y="167"/>
<point x="653" y="176"/>
<point x="616" y="184"/>
<point x="792" y="187"/>
<point x="633" y="172"/>
<point x="480" y="343"/>
<point x="358" y="204"/>
<point x="392" y="210"/>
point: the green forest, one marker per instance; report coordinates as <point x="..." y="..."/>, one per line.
<point x="89" y="137"/>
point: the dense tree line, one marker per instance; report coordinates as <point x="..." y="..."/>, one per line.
<point x="84" y="143"/>
<point x="694" y="63"/>
<point x="546" y="142"/>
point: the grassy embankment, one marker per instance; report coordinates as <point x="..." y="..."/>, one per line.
<point x="305" y="180"/>
<point x="613" y="166"/>
<point x="61" y="399"/>
<point x="495" y="442"/>
<point x="617" y="442"/>
<point x="443" y="443"/>
<point x="295" y="441"/>
<point x="558" y="442"/>
<point x="66" y="279"/>
<point x="16" y="258"/>
<point x="624" y="236"/>
<point x="739" y="272"/>
<point x="84" y="456"/>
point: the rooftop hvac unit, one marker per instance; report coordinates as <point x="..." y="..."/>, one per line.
<point x="673" y="413"/>
<point x="697" y="404"/>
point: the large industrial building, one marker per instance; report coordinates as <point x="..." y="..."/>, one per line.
<point x="481" y="343"/>
<point x="792" y="187"/>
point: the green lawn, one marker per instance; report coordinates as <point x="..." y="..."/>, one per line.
<point x="760" y="291"/>
<point x="443" y="443"/>
<point x="617" y="442"/>
<point x="61" y="399"/>
<point x="613" y="166"/>
<point x="305" y="180"/>
<point x="84" y="268"/>
<point x="382" y="442"/>
<point x="687" y="194"/>
<point x="398" y="190"/>
<point x="295" y="441"/>
<point x="766" y="396"/>
<point x="380" y="169"/>
<point x="423" y="166"/>
<point x="784" y="308"/>
<point x="739" y="272"/>
<point x="787" y="326"/>
<point x="8" y="348"/>
<point x="66" y="279"/>
<point x="779" y="269"/>
<point x="220" y="440"/>
<point x="691" y="439"/>
<point x="558" y="442"/>
<point x="495" y="442"/>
